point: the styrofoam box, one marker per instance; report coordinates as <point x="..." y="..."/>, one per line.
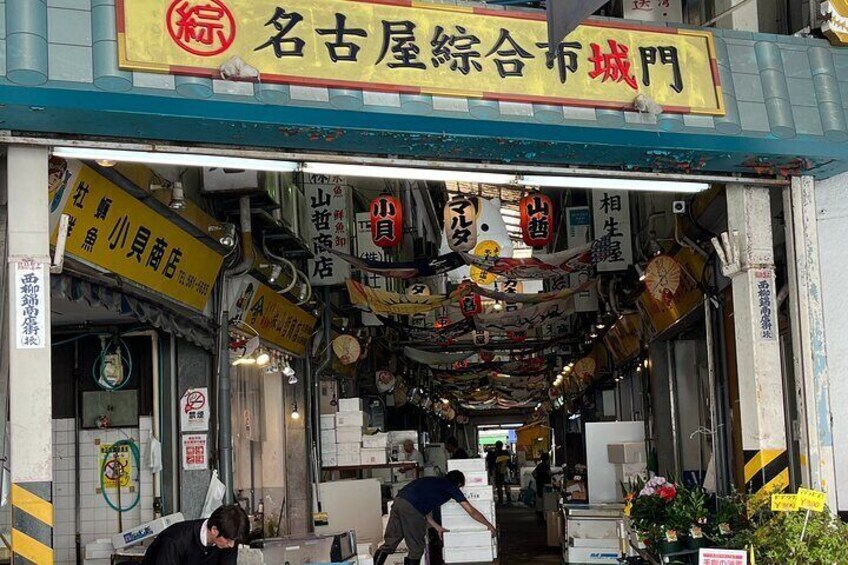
<point x="329" y="449"/>
<point x="467" y="465"/>
<point x="460" y="520"/>
<point x="349" y="435"/>
<point x="479" y="493"/>
<point x="595" y="543"/>
<point x="468" y="538"/>
<point x="365" y="549"/>
<point x="329" y="460"/>
<point x="328" y="437"/>
<point x="350" y="419"/>
<point x="349" y="460"/>
<point x="328" y="421"/>
<point x="486" y="507"/>
<point x="373" y="457"/>
<point x="476" y="479"/>
<point x="364" y="560"/>
<point x="620" y="453"/>
<point x="374" y="441"/>
<point x="351" y="405"/>
<point x="352" y="448"/>
<point x="398" y="437"/>
<point x="625" y="472"/>
<point x="485" y="554"/>
<point x="592" y="555"/>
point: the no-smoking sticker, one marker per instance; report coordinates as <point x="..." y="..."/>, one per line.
<point x="115" y="465"/>
<point x="194" y="410"/>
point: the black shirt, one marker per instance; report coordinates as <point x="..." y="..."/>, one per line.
<point x="459" y="454"/>
<point x="542" y="474"/>
<point x="429" y="493"/>
<point x="180" y="545"/>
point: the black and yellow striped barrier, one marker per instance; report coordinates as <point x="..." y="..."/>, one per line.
<point x="32" y="523"/>
<point x="766" y="470"/>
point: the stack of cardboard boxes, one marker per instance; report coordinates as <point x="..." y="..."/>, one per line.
<point x="630" y="462"/>
<point x="469" y="541"/>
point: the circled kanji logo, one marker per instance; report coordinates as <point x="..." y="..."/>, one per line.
<point x="201" y="27"/>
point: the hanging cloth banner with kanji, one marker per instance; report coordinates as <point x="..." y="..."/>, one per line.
<point x="469" y="287"/>
<point x="445" y="334"/>
<point x="385" y="302"/>
<point x="546" y="266"/>
<point x="524" y="319"/>
<point x="419" y="268"/>
<point x="435" y="358"/>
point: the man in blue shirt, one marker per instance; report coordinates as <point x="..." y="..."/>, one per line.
<point x="413" y="510"/>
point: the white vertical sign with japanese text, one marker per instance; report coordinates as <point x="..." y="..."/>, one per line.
<point x="654" y="10"/>
<point x="611" y="211"/>
<point x="328" y="206"/>
<point x="765" y="301"/>
<point x="194" y="452"/>
<point x="578" y="225"/>
<point x="367" y="249"/>
<point x="30" y="281"/>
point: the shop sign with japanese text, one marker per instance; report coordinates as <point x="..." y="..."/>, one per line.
<point x="116" y="232"/>
<point x="766" y="301"/>
<point x="31" y="282"/>
<point x="367" y="249"/>
<point x="415" y="48"/>
<point x="277" y="320"/>
<point x="328" y="205"/>
<point x="654" y="10"/>
<point x="611" y="210"/>
<point x="578" y="223"/>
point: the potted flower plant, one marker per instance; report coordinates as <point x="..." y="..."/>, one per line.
<point x="652" y="513"/>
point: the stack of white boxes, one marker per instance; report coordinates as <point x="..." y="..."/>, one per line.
<point x="469" y="541"/>
<point x="629" y="460"/>
<point x="343" y="443"/>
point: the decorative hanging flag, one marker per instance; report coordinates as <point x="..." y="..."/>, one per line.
<point x="547" y="266"/>
<point x="419" y="268"/>
<point x="537" y="220"/>
<point x="436" y="336"/>
<point x="435" y="359"/>
<point x="461" y="224"/>
<point x="385" y="302"/>
<point x="386" y="221"/>
<point x="521" y="298"/>
<point x="470" y="305"/>
<point x="527" y="318"/>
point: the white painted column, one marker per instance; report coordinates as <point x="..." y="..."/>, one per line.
<point x="29" y="355"/>
<point x="758" y="351"/>
<point x="808" y="336"/>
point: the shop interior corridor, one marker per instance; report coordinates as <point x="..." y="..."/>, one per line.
<point x="522" y="537"/>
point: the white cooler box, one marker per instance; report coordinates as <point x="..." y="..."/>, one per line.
<point x="350" y="419"/>
<point x="484" y="553"/>
<point x="464" y="538"/>
<point x="467" y="465"/>
<point x="592" y="555"/>
<point x="478" y="493"/>
<point x="348" y="434"/>
<point x="454" y="517"/>
<point x="476" y="479"/>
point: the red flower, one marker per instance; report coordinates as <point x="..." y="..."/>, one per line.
<point x="667" y="492"/>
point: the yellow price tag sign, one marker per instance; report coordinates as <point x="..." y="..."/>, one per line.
<point x="811" y="500"/>
<point x="784" y="502"/>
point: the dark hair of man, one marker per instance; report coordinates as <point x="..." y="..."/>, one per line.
<point x="231" y="521"/>
<point x="451" y="442"/>
<point x="545" y="457"/>
<point x="456" y="477"/>
<point x="498" y="445"/>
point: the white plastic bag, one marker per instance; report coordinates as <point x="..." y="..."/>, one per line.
<point x="214" y="496"/>
<point x="155" y="455"/>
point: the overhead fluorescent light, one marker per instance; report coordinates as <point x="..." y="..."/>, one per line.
<point x="602" y="183"/>
<point x="407" y="173"/>
<point x="176" y="159"/>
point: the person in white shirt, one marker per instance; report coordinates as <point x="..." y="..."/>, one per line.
<point x="413" y="457"/>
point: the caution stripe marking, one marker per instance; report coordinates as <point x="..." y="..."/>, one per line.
<point x="766" y="469"/>
<point x="32" y="523"/>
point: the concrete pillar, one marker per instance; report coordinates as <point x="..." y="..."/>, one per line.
<point x="808" y="336"/>
<point x="758" y="351"/>
<point x="29" y="356"/>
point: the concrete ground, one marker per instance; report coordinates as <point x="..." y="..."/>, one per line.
<point x="523" y="537"/>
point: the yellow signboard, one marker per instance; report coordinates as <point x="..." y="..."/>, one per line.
<point x="784" y="503"/>
<point x="811" y="500"/>
<point x="113" y="230"/>
<point x="835" y="24"/>
<point x="412" y="47"/>
<point x="277" y="320"/>
<point x="115" y="465"/>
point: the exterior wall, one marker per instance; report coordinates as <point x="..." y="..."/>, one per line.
<point x="832" y="223"/>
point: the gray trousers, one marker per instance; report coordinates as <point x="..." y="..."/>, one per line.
<point x="405" y="523"/>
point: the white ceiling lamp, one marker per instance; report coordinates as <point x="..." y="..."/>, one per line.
<point x="176" y="159"/>
<point x="407" y="173"/>
<point x="603" y="183"/>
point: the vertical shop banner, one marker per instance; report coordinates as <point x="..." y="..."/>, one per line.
<point x="194" y="410"/>
<point x="665" y="11"/>
<point x="611" y="210"/>
<point x="578" y="225"/>
<point x="30" y="280"/>
<point x="194" y="452"/>
<point x="328" y="204"/>
<point x="766" y="301"/>
<point x="367" y="249"/>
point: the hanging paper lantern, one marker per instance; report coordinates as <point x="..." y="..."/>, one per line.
<point x="442" y="322"/>
<point x="386" y="221"/>
<point x="347" y="348"/>
<point x="471" y="305"/>
<point x="386" y="381"/>
<point x="461" y="224"/>
<point x="537" y="220"/>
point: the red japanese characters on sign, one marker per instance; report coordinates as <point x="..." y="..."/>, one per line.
<point x="386" y="221"/>
<point x="201" y="27"/>
<point x="537" y="220"/>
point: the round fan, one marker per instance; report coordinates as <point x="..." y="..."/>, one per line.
<point x="386" y="381"/>
<point x="662" y="278"/>
<point x="347" y="349"/>
<point x="585" y="368"/>
<point x="399" y="395"/>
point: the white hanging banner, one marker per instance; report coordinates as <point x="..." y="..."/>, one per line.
<point x="194" y="452"/>
<point x="654" y="11"/>
<point x="578" y="225"/>
<point x="367" y="249"/>
<point x="194" y="410"/>
<point x="30" y="281"/>
<point x="611" y="211"/>
<point x="328" y="204"/>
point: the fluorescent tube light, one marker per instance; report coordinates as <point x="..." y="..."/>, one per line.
<point x="407" y="173"/>
<point x="178" y="159"/>
<point x="602" y="183"/>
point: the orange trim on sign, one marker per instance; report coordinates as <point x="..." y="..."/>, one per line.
<point x="120" y="16"/>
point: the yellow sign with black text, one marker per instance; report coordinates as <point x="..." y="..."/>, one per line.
<point x="411" y="47"/>
<point x="811" y="500"/>
<point x="273" y="317"/>
<point x="113" y="230"/>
